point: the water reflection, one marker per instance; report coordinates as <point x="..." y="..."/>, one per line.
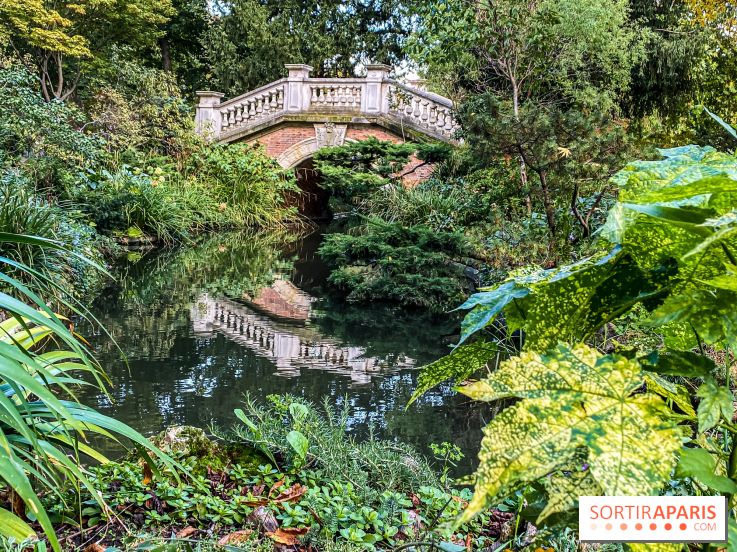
<point x="202" y="326"/>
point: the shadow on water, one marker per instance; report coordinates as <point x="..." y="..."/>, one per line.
<point x="249" y="313"/>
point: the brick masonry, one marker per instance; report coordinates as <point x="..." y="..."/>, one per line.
<point x="278" y="139"/>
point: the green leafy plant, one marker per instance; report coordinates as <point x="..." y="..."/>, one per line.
<point x="413" y="266"/>
<point x="44" y="436"/>
<point x="356" y="169"/>
<point x="673" y="243"/>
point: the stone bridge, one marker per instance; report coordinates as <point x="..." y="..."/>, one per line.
<point x="294" y="117"/>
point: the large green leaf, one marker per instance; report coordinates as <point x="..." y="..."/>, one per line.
<point x="459" y="365"/>
<point x="573" y="398"/>
<point x="698" y="464"/>
<point x="671" y="362"/>
<point x="12" y="526"/>
<point x="716" y="403"/>
<point x="565" y="304"/>
<point x="564" y="488"/>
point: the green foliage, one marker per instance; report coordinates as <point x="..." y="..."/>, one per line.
<point x="249" y="42"/>
<point x="356" y="169"/>
<point x="672" y="235"/>
<point x="42" y="138"/>
<point x="575" y="405"/>
<point x="23" y="212"/>
<point x="412" y="266"/>
<point x="442" y="210"/>
<point x="139" y="109"/>
<point x="43" y="435"/>
<point x="55" y="37"/>
<point x="248" y="185"/>
<point x="373" y="494"/>
<point x="151" y="203"/>
<point x="673" y="257"/>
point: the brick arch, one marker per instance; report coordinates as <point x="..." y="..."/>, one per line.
<point x="294" y="143"/>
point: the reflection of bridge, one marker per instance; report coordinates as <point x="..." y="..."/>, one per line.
<point x="291" y="347"/>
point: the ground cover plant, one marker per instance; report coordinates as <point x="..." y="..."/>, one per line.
<point x="287" y="475"/>
<point x="672" y="243"/>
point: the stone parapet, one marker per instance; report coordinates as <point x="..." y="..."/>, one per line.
<point x="315" y="99"/>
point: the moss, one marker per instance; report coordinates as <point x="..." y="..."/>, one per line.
<point x="185" y="441"/>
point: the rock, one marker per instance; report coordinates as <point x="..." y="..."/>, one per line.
<point x="185" y="441"/>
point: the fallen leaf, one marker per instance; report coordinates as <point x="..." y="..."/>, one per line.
<point x="287" y="535"/>
<point x="292" y="494"/>
<point x="276" y="486"/>
<point x="239" y="537"/>
<point x="265" y="519"/>
<point x="148" y="475"/>
<point x="186" y="532"/>
<point x="95" y="547"/>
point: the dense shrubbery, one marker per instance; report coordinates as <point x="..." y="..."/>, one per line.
<point x="134" y="169"/>
<point x="673" y="251"/>
<point x="412" y="266"/>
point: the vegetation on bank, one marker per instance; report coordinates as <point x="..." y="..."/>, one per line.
<point x="287" y="474"/>
<point x="89" y="179"/>
<point x="626" y="284"/>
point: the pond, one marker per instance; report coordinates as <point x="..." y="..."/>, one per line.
<point x="201" y="327"/>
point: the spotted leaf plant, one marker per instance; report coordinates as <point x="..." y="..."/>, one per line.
<point x="580" y="422"/>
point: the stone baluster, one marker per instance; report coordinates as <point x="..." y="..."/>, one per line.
<point x="449" y="123"/>
<point x="424" y="115"/>
<point x="417" y="112"/>
<point x="441" y="119"/>
<point x="313" y="97"/>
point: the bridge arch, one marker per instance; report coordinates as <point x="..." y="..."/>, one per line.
<point x="296" y="116"/>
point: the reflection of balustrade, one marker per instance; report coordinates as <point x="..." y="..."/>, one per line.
<point x="291" y="348"/>
<point x="373" y="96"/>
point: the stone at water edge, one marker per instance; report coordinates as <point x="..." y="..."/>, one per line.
<point x="185" y="441"/>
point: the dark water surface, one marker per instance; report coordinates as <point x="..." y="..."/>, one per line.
<point x="204" y="325"/>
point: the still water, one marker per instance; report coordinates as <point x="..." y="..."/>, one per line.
<point x="200" y="327"/>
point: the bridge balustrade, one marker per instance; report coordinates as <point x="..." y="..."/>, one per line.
<point x="301" y="97"/>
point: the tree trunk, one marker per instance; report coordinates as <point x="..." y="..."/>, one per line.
<point x="522" y="165"/>
<point x="165" y="54"/>
<point x="549" y="209"/>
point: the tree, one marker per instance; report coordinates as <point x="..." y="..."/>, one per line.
<point x="251" y="40"/>
<point x="182" y="46"/>
<point x="533" y="75"/>
<point x="58" y="37"/>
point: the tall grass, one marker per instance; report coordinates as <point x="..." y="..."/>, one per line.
<point x="250" y="187"/>
<point x="44" y="430"/>
<point x="442" y="211"/>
